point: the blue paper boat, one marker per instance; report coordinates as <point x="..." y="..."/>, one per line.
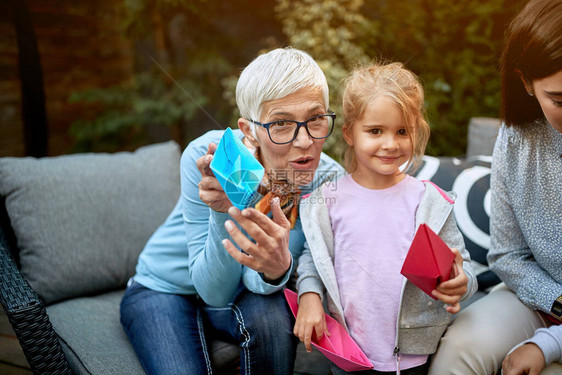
<point x="237" y="170"/>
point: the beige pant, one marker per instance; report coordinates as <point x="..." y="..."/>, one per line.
<point x="483" y="333"/>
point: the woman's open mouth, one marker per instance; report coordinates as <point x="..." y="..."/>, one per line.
<point x="302" y="163"/>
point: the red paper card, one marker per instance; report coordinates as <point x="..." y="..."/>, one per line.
<point x="429" y="260"/>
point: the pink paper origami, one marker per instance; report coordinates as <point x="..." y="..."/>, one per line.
<point x="429" y="260"/>
<point x="339" y="347"/>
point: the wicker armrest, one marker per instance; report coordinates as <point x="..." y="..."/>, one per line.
<point x="28" y="317"/>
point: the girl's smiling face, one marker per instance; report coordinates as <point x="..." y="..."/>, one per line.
<point x="381" y="144"/>
<point x="548" y="92"/>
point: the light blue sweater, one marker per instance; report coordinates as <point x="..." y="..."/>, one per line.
<point x="526" y="220"/>
<point x="185" y="254"/>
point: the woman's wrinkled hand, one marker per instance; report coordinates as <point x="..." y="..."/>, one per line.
<point x="268" y="253"/>
<point x="210" y="191"/>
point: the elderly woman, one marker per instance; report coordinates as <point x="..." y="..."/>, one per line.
<point x="212" y="270"/>
<point x="526" y="215"/>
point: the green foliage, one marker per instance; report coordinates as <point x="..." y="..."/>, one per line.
<point x="138" y="14"/>
<point x="130" y="110"/>
<point x="194" y="44"/>
<point x="453" y="46"/>
<point x="330" y="31"/>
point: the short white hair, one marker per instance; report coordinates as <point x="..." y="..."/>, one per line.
<point x="275" y="75"/>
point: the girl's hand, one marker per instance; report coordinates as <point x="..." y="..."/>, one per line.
<point x="210" y="191"/>
<point x="310" y="317"/>
<point x="452" y="290"/>
<point x="526" y="359"/>
<point x="268" y="253"/>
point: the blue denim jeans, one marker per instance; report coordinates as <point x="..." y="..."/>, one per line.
<point x="171" y="333"/>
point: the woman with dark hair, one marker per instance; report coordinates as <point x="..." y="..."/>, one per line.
<point x="526" y="215"/>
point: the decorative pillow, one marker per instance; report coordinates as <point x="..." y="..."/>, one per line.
<point x="81" y="220"/>
<point x="470" y="179"/>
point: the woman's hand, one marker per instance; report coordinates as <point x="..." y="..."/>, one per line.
<point x="310" y="319"/>
<point x="526" y="359"/>
<point x="210" y="191"/>
<point x="269" y="252"/>
<point x="452" y="290"/>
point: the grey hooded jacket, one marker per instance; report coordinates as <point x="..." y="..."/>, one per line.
<point x="422" y="320"/>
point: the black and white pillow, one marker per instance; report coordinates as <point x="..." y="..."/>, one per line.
<point x="470" y="179"/>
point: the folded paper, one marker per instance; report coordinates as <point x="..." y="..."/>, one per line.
<point x="339" y="347"/>
<point x="237" y="170"/>
<point x="429" y="260"/>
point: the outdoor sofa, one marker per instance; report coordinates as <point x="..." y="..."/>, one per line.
<point x="72" y="227"/>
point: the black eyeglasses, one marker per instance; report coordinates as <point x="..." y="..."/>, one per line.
<point x="285" y="131"/>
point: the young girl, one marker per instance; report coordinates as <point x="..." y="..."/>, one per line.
<point x="359" y="231"/>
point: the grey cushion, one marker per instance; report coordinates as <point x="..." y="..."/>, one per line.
<point x="482" y="133"/>
<point x="94" y="341"/>
<point x="92" y="337"/>
<point x="81" y="220"/>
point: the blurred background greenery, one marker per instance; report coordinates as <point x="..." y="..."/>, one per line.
<point x="188" y="54"/>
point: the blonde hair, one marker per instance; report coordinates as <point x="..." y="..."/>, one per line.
<point x="400" y="85"/>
